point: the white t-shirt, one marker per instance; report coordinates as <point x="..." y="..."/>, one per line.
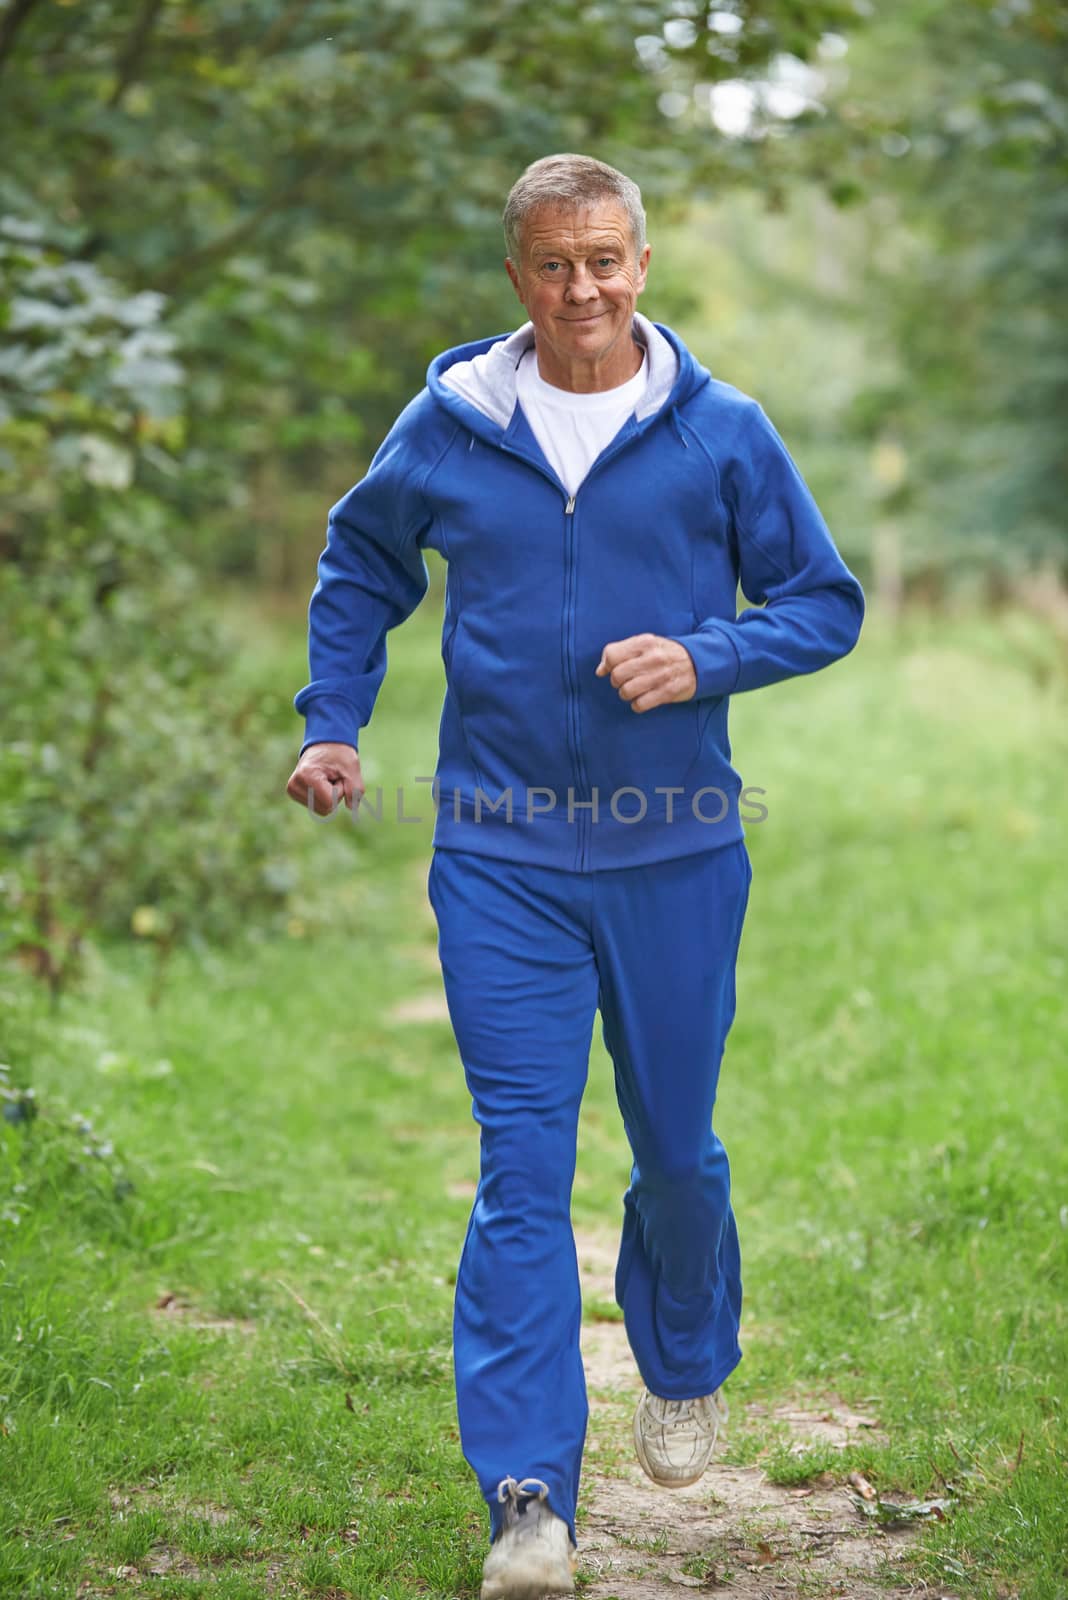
<point x="573" y="429"/>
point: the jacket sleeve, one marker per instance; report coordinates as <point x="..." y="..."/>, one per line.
<point x="371" y="576"/>
<point x="807" y="607"/>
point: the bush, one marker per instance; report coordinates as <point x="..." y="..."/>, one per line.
<point x="138" y="791"/>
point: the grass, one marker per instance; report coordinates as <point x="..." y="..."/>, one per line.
<point x="225" y="1305"/>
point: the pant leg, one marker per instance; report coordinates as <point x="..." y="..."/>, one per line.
<point x="521" y="986"/>
<point x="666" y="939"/>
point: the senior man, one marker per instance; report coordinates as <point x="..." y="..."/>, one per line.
<point x="598" y="497"/>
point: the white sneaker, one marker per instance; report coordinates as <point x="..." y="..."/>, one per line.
<point x="532" y="1556"/>
<point x="674" y="1438"/>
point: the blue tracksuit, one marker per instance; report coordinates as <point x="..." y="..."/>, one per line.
<point x="585" y="856"/>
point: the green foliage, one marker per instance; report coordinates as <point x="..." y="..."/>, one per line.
<point x="895" y="294"/>
<point x="116" y="808"/>
<point x="230" y="238"/>
<point x="88" y="379"/>
<point x="232" y="235"/>
<point x="960" y="154"/>
<point x="317" y="189"/>
<point x="132" y="781"/>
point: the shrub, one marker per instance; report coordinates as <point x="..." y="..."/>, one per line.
<point x="138" y="792"/>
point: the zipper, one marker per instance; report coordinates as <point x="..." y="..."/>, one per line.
<point x="585" y="817"/>
<point x="571" y="669"/>
<point x="570" y="666"/>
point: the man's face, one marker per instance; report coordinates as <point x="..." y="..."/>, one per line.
<point x="579" y="278"/>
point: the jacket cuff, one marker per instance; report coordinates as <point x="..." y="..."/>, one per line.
<point x="715" y="658"/>
<point x="330" y="719"/>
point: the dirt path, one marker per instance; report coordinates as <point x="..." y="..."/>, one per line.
<point x="734" y="1533"/>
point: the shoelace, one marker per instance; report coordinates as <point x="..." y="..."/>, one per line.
<point x="674" y="1412"/>
<point x="512" y="1489"/>
<point x="678" y="1410"/>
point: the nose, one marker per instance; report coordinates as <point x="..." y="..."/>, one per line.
<point x="581" y="288"/>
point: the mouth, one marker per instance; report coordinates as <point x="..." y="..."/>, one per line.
<point x="596" y="317"/>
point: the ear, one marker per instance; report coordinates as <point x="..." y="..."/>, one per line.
<point x="514" y="275"/>
<point x="643" y="268"/>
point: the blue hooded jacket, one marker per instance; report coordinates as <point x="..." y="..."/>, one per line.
<point x="539" y="759"/>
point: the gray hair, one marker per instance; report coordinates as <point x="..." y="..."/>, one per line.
<point x="571" y="180"/>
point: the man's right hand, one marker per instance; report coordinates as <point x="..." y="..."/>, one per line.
<point x="320" y="770"/>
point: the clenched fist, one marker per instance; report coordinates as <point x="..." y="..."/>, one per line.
<point x="322" y="770"/>
<point x="649" y="670"/>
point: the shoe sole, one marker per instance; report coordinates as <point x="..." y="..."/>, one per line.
<point x="530" y="1585"/>
<point x="525" y="1591"/>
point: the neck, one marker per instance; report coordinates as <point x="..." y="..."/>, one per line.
<point x="613" y="368"/>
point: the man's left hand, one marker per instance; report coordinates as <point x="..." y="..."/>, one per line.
<point x="649" y="670"/>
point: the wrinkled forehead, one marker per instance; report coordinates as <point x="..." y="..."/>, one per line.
<point x="575" y="229"/>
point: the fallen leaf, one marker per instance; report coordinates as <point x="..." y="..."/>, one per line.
<point x="889" y="1514"/>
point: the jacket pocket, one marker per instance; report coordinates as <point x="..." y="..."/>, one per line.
<point x="452" y="654"/>
<point x="448" y="655"/>
<point x="649" y="749"/>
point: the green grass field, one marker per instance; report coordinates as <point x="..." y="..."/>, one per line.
<point x="279" y="1155"/>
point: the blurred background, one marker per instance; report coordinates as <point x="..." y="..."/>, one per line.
<point x="232" y="235"/>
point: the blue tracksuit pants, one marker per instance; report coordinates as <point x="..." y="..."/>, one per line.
<point x="529" y="954"/>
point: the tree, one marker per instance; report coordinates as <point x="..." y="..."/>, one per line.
<point x="233" y="233"/>
<point x="960" y="174"/>
<point x="316" y="186"/>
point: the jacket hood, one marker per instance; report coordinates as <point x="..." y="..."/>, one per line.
<point x="477" y="382"/>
